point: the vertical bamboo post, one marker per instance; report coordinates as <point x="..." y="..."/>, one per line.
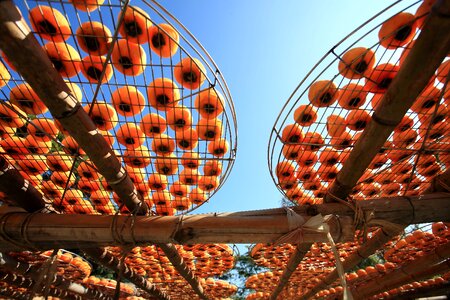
<point x="112" y="263"/>
<point x="25" y="269"/>
<point x="294" y="261"/>
<point x="177" y="261"/>
<point x="417" y="269"/>
<point x="430" y="48"/>
<point x="25" y="53"/>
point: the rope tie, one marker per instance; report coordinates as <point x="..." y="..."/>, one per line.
<point x="116" y="235"/>
<point x="297" y="226"/>
<point x="413" y="209"/>
<point x="176" y="229"/>
<point x="24" y="229"/>
<point x="359" y="218"/>
<point x="8" y="239"/>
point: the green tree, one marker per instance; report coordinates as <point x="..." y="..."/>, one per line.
<point x="244" y="267"/>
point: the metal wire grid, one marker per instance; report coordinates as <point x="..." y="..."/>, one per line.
<point x="325" y="115"/>
<point x="65" y="178"/>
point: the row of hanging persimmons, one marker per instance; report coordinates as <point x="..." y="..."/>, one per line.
<point x="309" y="160"/>
<point x="163" y="94"/>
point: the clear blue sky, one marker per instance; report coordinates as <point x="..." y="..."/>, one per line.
<point x="264" y="48"/>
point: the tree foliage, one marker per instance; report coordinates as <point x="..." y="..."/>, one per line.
<point x="244" y="267"/>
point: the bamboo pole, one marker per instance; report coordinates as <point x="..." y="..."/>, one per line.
<point x="294" y="261"/>
<point x="57" y="281"/>
<point x="24" y="282"/>
<point x="430" y="48"/>
<point x="426" y="292"/>
<point x="416" y="270"/>
<point x="377" y="241"/>
<point x="81" y="231"/>
<point x="178" y="263"/>
<point x="25" y="53"/>
<point x="113" y="263"/>
<point x="264" y="226"/>
<point x="10" y="294"/>
<point x="19" y="190"/>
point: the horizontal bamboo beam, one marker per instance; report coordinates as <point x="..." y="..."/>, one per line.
<point x="261" y="226"/>
<point x="107" y="260"/>
<point x="178" y="263"/>
<point x="294" y="261"/>
<point x="415" y="270"/>
<point x="57" y="281"/>
<point x="364" y="251"/>
<point x="430" y="49"/>
<point x="81" y="231"/>
<point x="24" y="282"/>
<point x="25" y="53"/>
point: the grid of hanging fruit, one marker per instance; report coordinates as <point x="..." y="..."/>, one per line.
<point x="382" y="279"/>
<point x="151" y="89"/>
<point x="206" y="261"/>
<point x="325" y="116"/>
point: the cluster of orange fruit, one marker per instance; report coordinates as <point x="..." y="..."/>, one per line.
<point x="417" y="244"/>
<point x="320" y="255"/>
<point x="311" y="161"/>
<point x="337" y="291"/>
<point x="205" y="260"/>
<point x="108" y="286"/>
<point x="175" y="182"/>
<point x="416" y="286"/>
<point x="69" y="265"/>
<point x="213" y="289"/>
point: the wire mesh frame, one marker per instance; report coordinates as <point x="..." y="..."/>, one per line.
<point x="106" y="13"/>
<point x="325" y="70"/>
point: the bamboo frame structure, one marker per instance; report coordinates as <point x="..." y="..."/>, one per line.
<point x="57" y="281"/>
<point x="264" y="226"/>
<point x="111" y="262"/>
<point x="426" y="292"/>
<point x="34" y="201"/>
<point x="294" y="261"/>
<point x="367" y="249"/>
<point x="84" y="231"/>
<point x="415" y="270"/>
<point x="25" y="53"/>
<point x="178" y="263"/>
<point x="22" y="281"/>
<point x="430" y="48"/>
<point x="21" y="46"/>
